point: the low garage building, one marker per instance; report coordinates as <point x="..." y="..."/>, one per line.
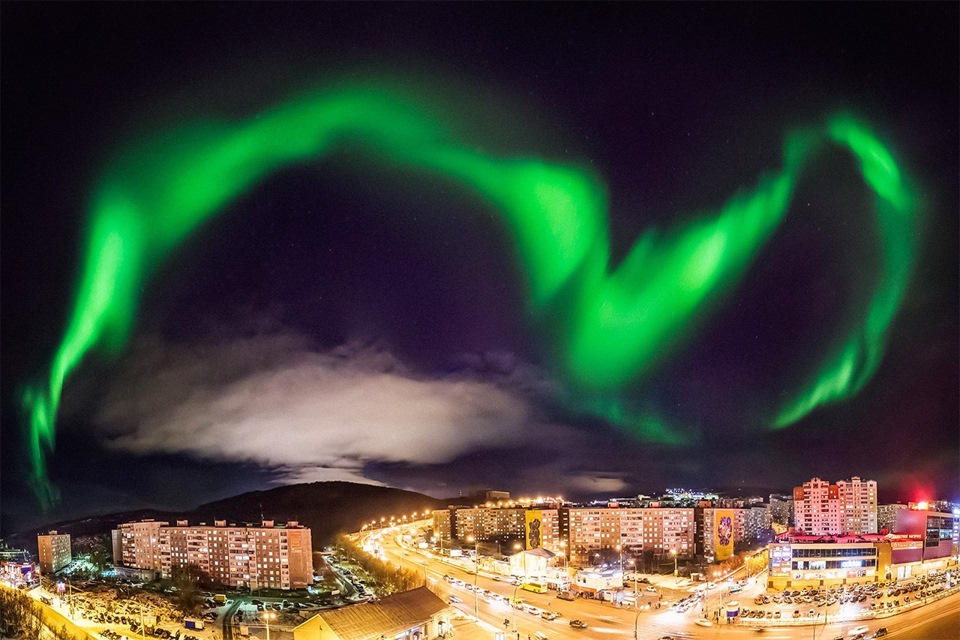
<point x="412" y="615"/>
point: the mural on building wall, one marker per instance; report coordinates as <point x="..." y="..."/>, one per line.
<point x="724" y="534"/>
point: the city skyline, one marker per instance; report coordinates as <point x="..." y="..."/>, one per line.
<point x="392" y="321"/>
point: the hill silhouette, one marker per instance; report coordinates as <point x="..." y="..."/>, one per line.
<point x="327" y="508"/>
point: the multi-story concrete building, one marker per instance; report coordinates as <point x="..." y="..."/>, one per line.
<point x="443" y="524"/>
<point x="781" y="509"/>
<point x="938" y="530"/>
<point x="822" y="560"/>
<point x="497" y="524"/>
<point x="116" y="545"/>
<point x="592" y="530"/>
<point x="747" y="526"/>
<point x="800" y="561"/>
<point x="816" y="508"/>
<point x="578" y="533"/>
<point x="850" y="506"/>
<point x="266" y="556"/>
<point x="54" y="551"/>
<point x="859" y="500"/>
<point x="670" y="530"/>
<point x="758" y="520"/>
<point x="140" y="544"/>
<point x="887" y="517"/>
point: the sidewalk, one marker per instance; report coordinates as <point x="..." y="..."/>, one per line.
<point x="465" y="628"/>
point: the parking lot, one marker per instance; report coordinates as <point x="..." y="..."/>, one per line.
<point x="808" y="604"/>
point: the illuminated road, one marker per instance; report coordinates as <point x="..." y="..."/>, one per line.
<point x="937" y="621"/>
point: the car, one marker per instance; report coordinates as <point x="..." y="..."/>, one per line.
<point x="703" y="622"/>
<point x="549" y="615"/>
<point x="862" y="629"/>
<point x="578" y="624"/>
<point x="651" y="589"/>
<point x="454" y="599"/>
<point x="882" y="631"/>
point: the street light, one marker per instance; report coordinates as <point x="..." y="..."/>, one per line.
<point x="267" y="616"/>
<point x="519" y="547"/>
<point x="513" y="603"/>
<point x="476" y="570"/>
<point x="676" y="574"/>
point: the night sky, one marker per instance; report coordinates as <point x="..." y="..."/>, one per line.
<point x="346" y="320"/>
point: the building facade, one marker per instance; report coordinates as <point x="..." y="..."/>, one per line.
<point x="267" y="556"/>
<point x="849" y="506"/>
<point x="781" y="509"/>
<point x="859" y="502"/>
<point x="411" y="615"/>
<point x="140" y="544"/>
<point x="803" y="561"/>
<point x="798" y="561"/>
<point x="887" y="517"/>
<point x="938" y="530"/>
<point x="54" y="551"/>
<point x="579" y="534"/>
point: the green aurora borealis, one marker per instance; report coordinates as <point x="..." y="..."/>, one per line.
<point x="608" y="325"/>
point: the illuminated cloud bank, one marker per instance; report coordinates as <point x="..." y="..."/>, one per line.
<point x="605" y="325"/>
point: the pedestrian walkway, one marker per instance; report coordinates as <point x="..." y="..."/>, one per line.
<point x="466" y="628"/>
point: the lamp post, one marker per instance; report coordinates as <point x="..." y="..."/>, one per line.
<point x="476" y="570"/>
<point x="513" y="603"/>
<point x="267" y="616"/>
<point x="676" y="574"/>
<point x="519" y="548"/>
<point x="142" y="630"/>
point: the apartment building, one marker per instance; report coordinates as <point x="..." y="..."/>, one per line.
<point x="140" y="544"/>
<point x="668" y="530"/>
<point x="849" y="506"/>
<point x="859" y="500"/>
<point x="54" y="551"/>
<point x="267" y="556"/>
<point x="443" y="524"/>
<point x="630" y="531"/>
<point x="887" y="516"/>
<point x="781" y="509"/>
<point x="592" y="529"/>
